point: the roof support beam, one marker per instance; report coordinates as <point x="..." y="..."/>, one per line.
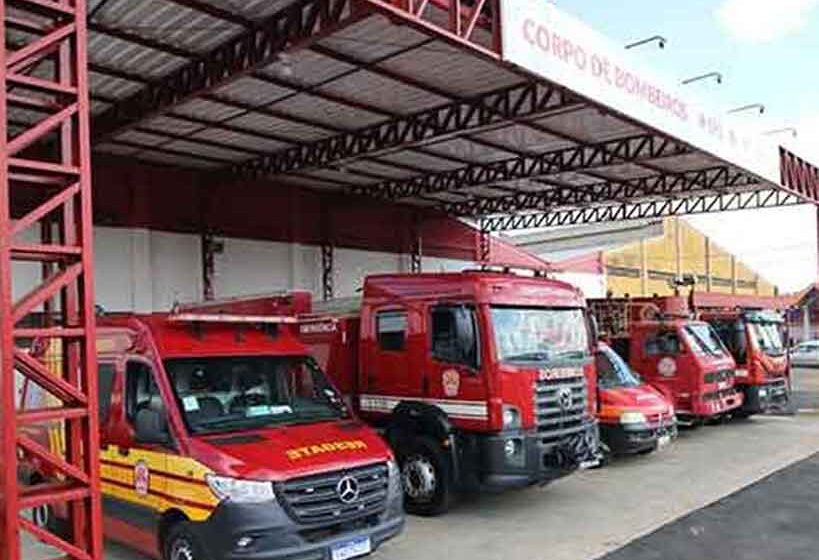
<point x="528" y="100"/>
<point x="295" y="26"/>
<point x="574" y="159"/>
<point x="665" y="185"/>
<point x="765" y="198"/>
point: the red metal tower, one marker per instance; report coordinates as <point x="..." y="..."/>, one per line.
<point x="45" y="222"/>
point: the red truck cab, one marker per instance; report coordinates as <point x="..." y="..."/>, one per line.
<point x="681" y="357"/>
<point x="752" y="328"/>
<point x="476" y="378"/>
<point x="221" y="438"/>
<point x="634" y="416"/>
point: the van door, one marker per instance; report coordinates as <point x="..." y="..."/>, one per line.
<point x="454" y="361"/>
<point x="132" y="482"/>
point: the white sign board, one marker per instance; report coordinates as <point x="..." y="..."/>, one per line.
<point x="550" y="43"/>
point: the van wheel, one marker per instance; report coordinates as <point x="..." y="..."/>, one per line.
<point x="426" y="475"/>
<point x="181" y="544"/>
<point x="46" y="518"/>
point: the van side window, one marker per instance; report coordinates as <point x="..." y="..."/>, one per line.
<point x="105" y="386"/>
<point x="455" y="335"/>
<point x="141" y="390"/>
<point x="391" y="330"/>
<point x="664" y="343"/>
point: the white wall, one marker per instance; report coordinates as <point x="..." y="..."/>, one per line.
<point x="143" y="270"/>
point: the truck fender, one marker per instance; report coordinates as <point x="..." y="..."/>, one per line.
<point x="411" y="419"/>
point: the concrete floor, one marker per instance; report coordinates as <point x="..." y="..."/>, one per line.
<point x="595" y="512"/>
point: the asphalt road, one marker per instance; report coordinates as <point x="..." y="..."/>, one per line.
<point x="806" y="389"/>
<point x="773" y="519"/>
<point x="587" y="515"/>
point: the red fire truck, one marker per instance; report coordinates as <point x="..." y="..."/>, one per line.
<point x="476" y="378"/>
<point x="222" y="439"/>
<point x="682" y="357"/>
<point x="752" y="328"/>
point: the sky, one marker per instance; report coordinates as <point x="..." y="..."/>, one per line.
<point x="767" y="52"/>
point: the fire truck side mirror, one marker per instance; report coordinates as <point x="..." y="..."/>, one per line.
<point x="151" y="426"/>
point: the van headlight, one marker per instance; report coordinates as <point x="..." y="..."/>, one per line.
<point x="511" y="417"/>
<point x="632" y="418"/>
<point x="240" y="491"/>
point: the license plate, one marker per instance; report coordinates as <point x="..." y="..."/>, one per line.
<point x="663" y="441"/>
<point x="589" y="464"/>
<point x="722" y="385"/>
<point x="351" y="549"/>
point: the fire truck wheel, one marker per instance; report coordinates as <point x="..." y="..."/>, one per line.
<point x="426" y="474"/>
<point x="181" y="544"/>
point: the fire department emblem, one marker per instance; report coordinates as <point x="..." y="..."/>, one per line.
<point x="451" y="380"/>
<point x="565" y="398"/>
<point x="142" y="478"/>
<point x="667" y="367"/>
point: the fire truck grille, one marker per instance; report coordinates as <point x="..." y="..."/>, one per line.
<point x="719" y="376"/>
<point x="322" y="499"/>
<point x="558" y="414"/>
<point x="716" y="395"/>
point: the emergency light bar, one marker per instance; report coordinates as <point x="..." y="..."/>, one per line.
<point x="228" y="318"/>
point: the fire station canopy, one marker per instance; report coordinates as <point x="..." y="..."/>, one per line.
<point x="507" y="112"/>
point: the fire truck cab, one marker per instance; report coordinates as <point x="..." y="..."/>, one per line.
<point x="221" y="438"/>
<point x="752" y="328"/>
<point x="681" y="357"/>
<point x="476" y="378"/>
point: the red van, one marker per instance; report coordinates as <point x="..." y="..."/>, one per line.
<point x="223" y="439"/>
<point x="634" y="416"/>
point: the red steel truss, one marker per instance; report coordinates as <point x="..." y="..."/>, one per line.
<point x="46" y="165"/>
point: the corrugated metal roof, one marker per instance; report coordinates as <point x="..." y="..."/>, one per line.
<point x="167" y="22"/>
<point x="384" y="93"/>
<point x="251" y="9"/>
<point x="122" y="55"/>
<point x="373" y="38"/>
<point x="280" y="127"/>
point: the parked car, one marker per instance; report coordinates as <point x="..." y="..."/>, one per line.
<point x="806" y="354"/>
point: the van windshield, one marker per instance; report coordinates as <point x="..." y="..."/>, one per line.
<point x="532" y="334"/>
<point x="218" y="394"/>
<point x="613" y="372"/>
<point x="768" y="338"/>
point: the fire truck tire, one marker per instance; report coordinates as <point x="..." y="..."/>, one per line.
<point x="426" y="474"/>
<point x="181" y="544"/>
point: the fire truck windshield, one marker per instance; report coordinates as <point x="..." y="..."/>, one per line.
<point x="768" y="338"/>
<point x="704" y="340"/>
<point x="533" y="334"/>
<point x="217" y="394"/>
